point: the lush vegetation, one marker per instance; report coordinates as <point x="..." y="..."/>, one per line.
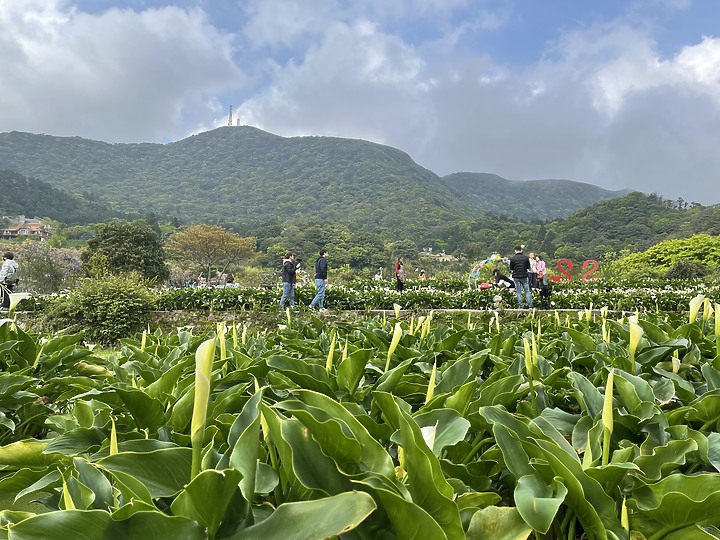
<point x="244" y="177"/>
<point x="32" y="197"/>
<point x="450" y="294"/>
<point x="592" y="427"/>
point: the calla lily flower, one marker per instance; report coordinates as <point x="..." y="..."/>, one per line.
<point x="695" y="304"/>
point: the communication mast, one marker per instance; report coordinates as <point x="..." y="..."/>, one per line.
<point x="230" y="122"/>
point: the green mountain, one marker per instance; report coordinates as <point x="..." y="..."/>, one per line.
<point x="20" y="195"/>
<point x="529" y="200"/>
<point x="634" y="222"/>
<point x="245" y="177"/>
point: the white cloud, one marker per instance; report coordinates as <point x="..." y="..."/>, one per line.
<point x="119" y="76"/>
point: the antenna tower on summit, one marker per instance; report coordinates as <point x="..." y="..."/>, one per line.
<point x="230" y="122"/>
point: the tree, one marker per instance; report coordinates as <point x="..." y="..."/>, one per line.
<point x="210" y="246"/>
<point x="124" y="246"/>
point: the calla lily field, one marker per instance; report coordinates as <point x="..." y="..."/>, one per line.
<point x="592" y="424"/>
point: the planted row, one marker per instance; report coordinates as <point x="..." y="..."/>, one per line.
<point x="562" y="426"/>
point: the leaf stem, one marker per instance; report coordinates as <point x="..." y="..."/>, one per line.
<point x="475" y="448"/>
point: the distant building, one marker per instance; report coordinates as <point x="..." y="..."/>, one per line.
<point x="22" y="226"/>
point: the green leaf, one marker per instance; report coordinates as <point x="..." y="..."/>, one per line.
<point x="451" y="427"/>
<point x="99" y="525"/>
<point x="676" y="502"/>
<point x="27" y="453"/>
<point x="351" y="370"/>
<point x="537" y="502"/>
<point x="96" y="481"/>
<point x="498" y="523"/>
<point x="164" y="472"/>
<point x="303" y="373"/>
<point x="313" y="520"/>
<point x="77" y="441"/>
<point x="207" y="497"/>
<point x="426" y="481"/>
<point x="244" y="444"/>
<point x="372" y="454"/>
<point x="148" y="412"/>
<point x="409" y="520"/>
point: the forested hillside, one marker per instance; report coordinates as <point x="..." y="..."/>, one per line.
<point x="20" y="195"/>
<point x="245" y="178"/>
<point x="531" y="200"/>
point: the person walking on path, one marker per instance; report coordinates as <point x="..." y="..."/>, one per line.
<point x="400" y="274"/>
<point x="321" y="272"/>
<point x="520" y="267"/>
<point x="289" y="277"/>
<point x="8" y="277"/>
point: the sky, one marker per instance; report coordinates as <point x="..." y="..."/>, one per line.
<point x="620" y="94"/>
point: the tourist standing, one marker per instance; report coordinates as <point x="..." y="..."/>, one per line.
<point x="400" y="274"/>
<point x="532" y="273"/>
<point x="8" y="277"/>
<point x="321" y="273"/>
<point x="520" y="268"/>
<point x="541" y="268"/>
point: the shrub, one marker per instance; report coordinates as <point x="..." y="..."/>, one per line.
<point x="104" y="309"/>
<point x="687" y="269"/>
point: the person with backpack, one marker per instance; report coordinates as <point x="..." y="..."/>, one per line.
<point x="321" y="273"/>
<point x="8" y="277"/>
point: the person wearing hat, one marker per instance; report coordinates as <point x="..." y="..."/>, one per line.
<point x="520" y="268"/>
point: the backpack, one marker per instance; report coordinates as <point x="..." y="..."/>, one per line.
<point x="12" y="278"/>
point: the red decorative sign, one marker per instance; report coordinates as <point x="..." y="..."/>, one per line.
<point x="565" y="267"/>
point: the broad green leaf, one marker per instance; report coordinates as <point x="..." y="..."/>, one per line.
<point x="99" y="525"/>
<point x="409" y="520"/>
<point x="96" y="481"/>
<point x="582" y="341"/>
<point x="303" y="373"/>
<point x="81" y="495"/>
<point x="677" y="501"/>
<point x="587" y="395"/>
<point x="27" y="453"/>
<point x="351" y="369"/>
<point x="594" y="508"/>
<point x="451" y="427"/>
<point x="206" y="498"/>
<point x="131" y="489"/>
<point x="164" y="472"/>
<point x="426" y="481"/>
<point x="309" y="472"/>
<point x="313" y="520"/>
<point x="148" y="412"/>
<point x="243" y="445"/>
<point x="371" y="453"/>
<point x="77" y="441"/>
<point x="537" y="502"/>
<point x="51" y="480"/>
<point x="665" y="459"/>
<point x="498" y="523"/>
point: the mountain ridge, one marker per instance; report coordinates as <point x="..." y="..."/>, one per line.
<point x="244" y="177"/>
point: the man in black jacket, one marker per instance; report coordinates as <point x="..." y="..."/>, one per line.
<point x="520" y="266"/>
<point x="288" y="280"/>
<point x="321" y="270"/>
